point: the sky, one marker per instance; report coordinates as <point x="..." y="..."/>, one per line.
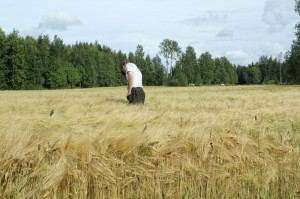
<point x="241" y="30"/>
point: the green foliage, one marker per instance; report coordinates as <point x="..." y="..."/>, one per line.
<point x="254" y="74"/>
<point x="14" y="60"/>
<point x="73" y="75"/>
<point x="178" y="77"/>
<point x="170" y="50"/>
<point x="224" y="72"/>
<point x="148" y="72"/>
<point x="119" y="78"/>
<point x="174" y="82"/>
<point x="207" y="68"/>
<point x="293" y="57"/>
<point x="249" y="75"/>
<point x="189" y="64"/>
<point x="34" y="72"/>
<point x="271" y="81"/>
<point x="3" y="67"/>
<point x="159" y="73"/>
<point x="29" y="63"/>
<point x="105" y="69"/>
<point x="293" y="62"/>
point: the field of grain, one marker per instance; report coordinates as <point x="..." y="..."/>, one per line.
<point x="193" y="142"/>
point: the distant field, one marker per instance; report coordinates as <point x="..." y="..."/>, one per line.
<point x="189" y="142"/>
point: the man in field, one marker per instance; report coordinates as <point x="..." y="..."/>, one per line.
<point x="134" y="77"/>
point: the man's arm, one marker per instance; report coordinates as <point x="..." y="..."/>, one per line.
<point x="130" y="82"/>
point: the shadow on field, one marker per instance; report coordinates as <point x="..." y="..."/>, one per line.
<point x="119" y="101"/>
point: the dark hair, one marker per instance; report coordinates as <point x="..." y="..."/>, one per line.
<point x="122" y="63"/>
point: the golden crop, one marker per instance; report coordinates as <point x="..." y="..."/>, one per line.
<point x="192" y="142"/>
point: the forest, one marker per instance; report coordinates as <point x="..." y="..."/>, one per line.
<point x="45" y="63"/>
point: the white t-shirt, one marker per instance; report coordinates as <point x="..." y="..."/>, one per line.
<point x="137" y="75"/>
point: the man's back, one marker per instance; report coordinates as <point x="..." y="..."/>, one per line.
<point x="138" y="77"/>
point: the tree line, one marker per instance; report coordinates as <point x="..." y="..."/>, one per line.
<point x="39" y="63"/>
<point x="29" y="63"/>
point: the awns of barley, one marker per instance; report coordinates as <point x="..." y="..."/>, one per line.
<point x="174" y="147"/>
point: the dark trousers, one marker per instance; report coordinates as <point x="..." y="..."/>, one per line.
<point x="137" y="96"/>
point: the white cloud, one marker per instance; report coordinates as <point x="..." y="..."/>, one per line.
<point x="58" y="21"/>
<point x="273" y="49"/>
<point x="225" y="32"/>
<point x="209" y="17"/>
<point x="34" y="32"/>
<point x="232" y="28"/>
<point x="238" y="56"/>
<point x="278" y="14"/>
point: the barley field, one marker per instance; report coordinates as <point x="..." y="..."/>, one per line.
<point x="188" y="142"/>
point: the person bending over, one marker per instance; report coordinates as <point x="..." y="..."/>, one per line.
<point x="134" y="77"/>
